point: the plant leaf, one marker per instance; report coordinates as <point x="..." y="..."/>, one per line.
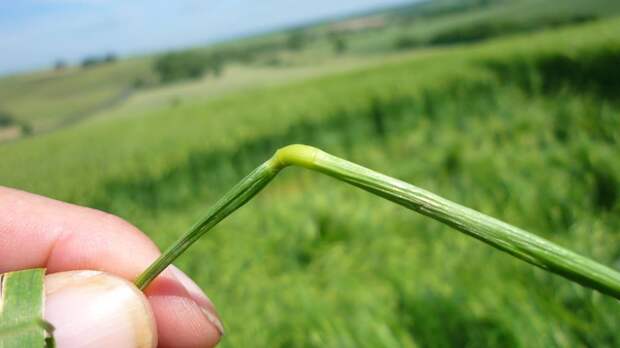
<point x="22" y="299"/>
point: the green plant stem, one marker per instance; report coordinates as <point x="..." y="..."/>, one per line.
<point x="517" y="242"/>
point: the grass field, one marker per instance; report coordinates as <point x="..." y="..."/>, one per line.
<point x="51" y="99"/>
<point x="526" y="129"/>
<point x="48" y="100"/>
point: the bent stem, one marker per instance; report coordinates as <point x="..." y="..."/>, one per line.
<point x="515" y="241"/>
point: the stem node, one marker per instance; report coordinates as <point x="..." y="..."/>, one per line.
<point x="296" y="155"/>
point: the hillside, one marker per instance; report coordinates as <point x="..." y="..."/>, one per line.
<point x="47" y="100"/>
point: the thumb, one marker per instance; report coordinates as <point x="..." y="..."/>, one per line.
<point x="95" y="309"/>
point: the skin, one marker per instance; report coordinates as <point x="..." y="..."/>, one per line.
<point x="36" y="231"/>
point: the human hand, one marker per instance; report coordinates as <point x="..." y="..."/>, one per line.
<point x="101" y="308"/>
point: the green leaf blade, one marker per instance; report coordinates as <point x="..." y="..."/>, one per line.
<point x="22" y="300"/>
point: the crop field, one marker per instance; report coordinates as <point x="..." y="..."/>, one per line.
<point x="50" y="99"/>
<point x="524" y="128"/>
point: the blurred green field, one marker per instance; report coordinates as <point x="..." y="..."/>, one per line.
<point x="526" y="129"/>
<point x="48" y="100"/>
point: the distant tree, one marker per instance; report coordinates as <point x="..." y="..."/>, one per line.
<point x="176" y="66"/>
<point x="89" y="61"/>
<point x="296" y="40"/>
<point x="138" y="83"/>
<point x="215" y="64"/>
<point x="60" y="64"/>
<point x="110" y="58"/>
<point x="340" y="45"/>
<point x="338" y="42"/>
<point x="6" y="119"/>
<point x="217" y="69"/>
<point x="180" y="65"/>
<point x="407" y="42"/>
<point x="26" y="129"/>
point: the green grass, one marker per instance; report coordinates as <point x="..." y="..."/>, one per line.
<point x="313" y="263"/>
<point x="50" y="99"/>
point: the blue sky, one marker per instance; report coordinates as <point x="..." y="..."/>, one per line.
<point x="34" y="33"/>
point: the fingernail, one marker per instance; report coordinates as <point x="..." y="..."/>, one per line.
<point x="94" y="309"/>
<point x="213" y="319"/>
<point x="207" y="307"/>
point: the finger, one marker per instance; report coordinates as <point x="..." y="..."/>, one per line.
<point x="36" y="231"/>
<point x="199" y="297"/>
<point x="40" y="232"/>
<point x="92" y="309"/>
<point x="181" y="319"/>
